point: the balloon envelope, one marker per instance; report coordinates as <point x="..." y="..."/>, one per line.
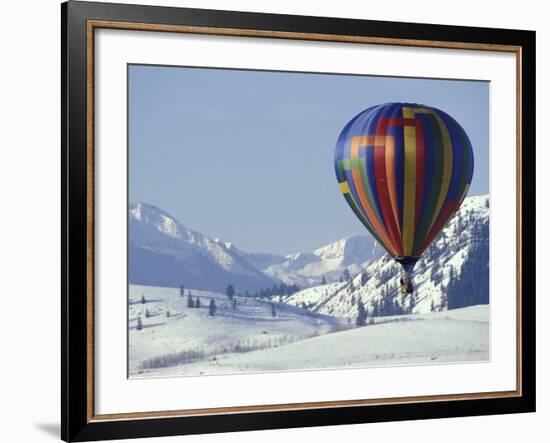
<point x="404" y="169"/>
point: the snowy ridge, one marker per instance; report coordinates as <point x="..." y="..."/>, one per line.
<point x="165" y="252"/>
<point x="460" y="242"/>
<point x="330" y="261"/>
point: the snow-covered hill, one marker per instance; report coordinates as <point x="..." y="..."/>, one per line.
<point x="460" y="335"/>
<point x="329" y="262"/>
<point x="453" y="272"/>
<point x="164" y="252"/>
<point x="174" y="334"/>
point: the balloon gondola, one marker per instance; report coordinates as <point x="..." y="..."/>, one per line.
<point x="404" y="169"/>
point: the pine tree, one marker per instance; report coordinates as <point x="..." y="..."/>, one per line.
<point x="361" y="319"/>
<point x="364" y="278"/>
<point x="375" y="308"/>
<point x="182" y="291"/>
<point x="147" y="313"/>
<point x="143" y="301"/>
<point x="273" y="310"/>
<point x="230" y="291"/>
<point x="168" y="313"/>
<point x="212" y="307"/>
<point x="324" y="281"/>
<point x="197" y="303"/>
<point x="433" y="273"/>
<point x="472" y="286"/>
<point x="190" y="303"/>
<point x="347" y="275"/>
<point x="139" y="326"/>
<point x="412" y="303"/>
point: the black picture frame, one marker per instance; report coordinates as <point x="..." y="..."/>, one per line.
<point x="77" y="424"/>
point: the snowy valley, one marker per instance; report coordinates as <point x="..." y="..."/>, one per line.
<point x="348" y="312"/>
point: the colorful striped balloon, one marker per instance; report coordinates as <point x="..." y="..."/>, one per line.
<point x="404" y="169"/>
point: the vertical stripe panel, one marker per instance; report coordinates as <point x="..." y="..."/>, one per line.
<point x="409" y="187"/>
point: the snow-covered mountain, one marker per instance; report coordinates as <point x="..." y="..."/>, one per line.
<point x="452" y="273"/>
<point x="163" y="252"/>
<point x="308" y="268"/>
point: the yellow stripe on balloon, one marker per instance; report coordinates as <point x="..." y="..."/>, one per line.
<point x="344" y="188"/>
<point x="409" y="185"/>
<point x="390" y="175"/>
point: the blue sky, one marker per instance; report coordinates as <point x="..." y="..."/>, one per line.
<point x="247" y="156"/>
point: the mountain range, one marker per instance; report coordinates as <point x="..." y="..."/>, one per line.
<point x="163" y="252"/>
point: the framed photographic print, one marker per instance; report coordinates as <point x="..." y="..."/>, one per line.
<point x="276" y="221"/>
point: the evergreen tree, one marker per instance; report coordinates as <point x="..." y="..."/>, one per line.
<point x="147" y="313"/>
<point x="375" y="308"/>
<point x="234" y="304"/>
<point x="143" y="301"/>
<point x="182" y="291"/>
<point x="139" y="326"/>
<point x="361" y="319"/>
<point x="364" y="278"/>
<point x="212" y="307"/>
<point x="443" y="303"/>
<point x="412" y="303"/>
<point x="433" y="273"/>
<point x="197" y="303"/>
<point x="472" y="286"/>
<point x="168" y="313"/>
<point x="230" y="291"/>
<point x="273" y="310"/>
<point x="190" y="303"/>
<point x="347" y="275"/>
<point x="324" y="281"/>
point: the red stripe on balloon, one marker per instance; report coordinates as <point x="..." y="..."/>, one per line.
<point x="382" y="184"/>
<point x="448" y="210"/>
<point x="420" y="171"/>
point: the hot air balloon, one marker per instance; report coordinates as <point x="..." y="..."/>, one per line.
<point x="404" y="170"/>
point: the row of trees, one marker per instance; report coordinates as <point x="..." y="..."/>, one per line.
<point x="281" y="289"/>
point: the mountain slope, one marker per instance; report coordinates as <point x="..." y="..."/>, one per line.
<point x="163" y="252"/>
<point x="457" y="336"/>
<point x="172" y="332"/>
<point x="452" y="273"/>
<point x="308" y="268"/>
